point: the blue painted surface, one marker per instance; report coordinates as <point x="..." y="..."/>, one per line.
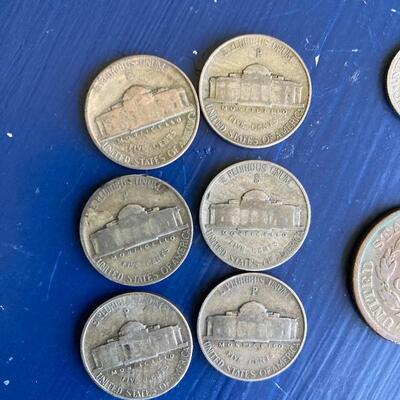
<point x="345" y="154"/>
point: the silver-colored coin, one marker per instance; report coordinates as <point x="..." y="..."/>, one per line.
<point x="136" y="345"/>
<point x="393" y="83"/>
<point x="251" y="327"/>
<point x="142" y="112"/>
<point x="255" y="215"/>
<point x="255" y="91"/>
<point x="136" y="230"/>
<point x="376" y="279"/>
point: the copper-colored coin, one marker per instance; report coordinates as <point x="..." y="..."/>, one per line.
<point x="376" y="279"/>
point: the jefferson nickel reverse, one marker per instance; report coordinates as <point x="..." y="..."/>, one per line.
<point x="136" y="346"/>
<point x="142" y="112"/>
<point x="255" y="215"/>
<point x="376" y="279"/>
<point x="136" y="230"/>
<point x="255" y="91"/>
<point x="251" y="327"/>
<point x="393" y="83"/>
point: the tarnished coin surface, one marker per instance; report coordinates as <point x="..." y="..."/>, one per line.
<point x="255" y="215"/>
<point x="376" y="279"/>
<point x="255" y="91"/>
<point x="393" y="83"/>
<point x="136" y="230"/>
<point x="142" y="112"/>
<point x="251" y="327"/>
<point x="136" y="345"/>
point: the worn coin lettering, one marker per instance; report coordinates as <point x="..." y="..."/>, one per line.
<point x="254" y="215"/>
<point x="136" y="230"/>
<point x="251" y="334"/>
<point x="376" y="278"/>
<point x="142" y="112"/>
<point x="137" y="345"/>
<point x="255" y="91"/>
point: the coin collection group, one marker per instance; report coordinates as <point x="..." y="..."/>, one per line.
<point x="143" y="112"/>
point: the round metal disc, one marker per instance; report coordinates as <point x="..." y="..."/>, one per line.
<point x="376" y="278"/>
<point x="251" y="327"/>
<point x="136" y="230"/>
<point x="255" y="91"/>
<point x="142" y="112"/>
<point x="255" y="215"/>
<point x="136" y="345"/>
<point x="393" y="82"/>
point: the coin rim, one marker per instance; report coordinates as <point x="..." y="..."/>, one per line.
<point x="356" y="271"/>
<point x="307" y="228"/>
<point x="85" y="328"/>
<point x="197" y="107"/>
<point x="395" y="61"/>
<point x="201" y="85"/>
<point x="180" y="197"/>
<point x="198" y="328"/>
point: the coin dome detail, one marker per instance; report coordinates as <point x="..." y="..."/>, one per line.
<point x="258" y="69"/>
<point x="253" y="308"/>
<point x="256" y="195"/>
<point x="131" y="326"/>
<point x="134" y="91"/>
<point x="129" y="210"/>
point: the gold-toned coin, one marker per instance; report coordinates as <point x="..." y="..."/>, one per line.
<point x="136" y="230"/>
<point x="255" y="91"/>
<point x="142" y="112"/>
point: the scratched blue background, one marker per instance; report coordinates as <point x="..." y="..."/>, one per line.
<point x="346" y="154"/>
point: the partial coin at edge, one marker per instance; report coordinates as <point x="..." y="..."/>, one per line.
<point x="393" y="82"/>
<point x="376" y="278"/>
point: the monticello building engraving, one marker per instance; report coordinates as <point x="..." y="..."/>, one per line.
<point x="255" y="85"/>
<point x="137" y="342"/>
<point x="252" y="322"/>
<point x="139" y="108"/>
<point x="135" y="226"/>
<point x="255" y="210"/>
